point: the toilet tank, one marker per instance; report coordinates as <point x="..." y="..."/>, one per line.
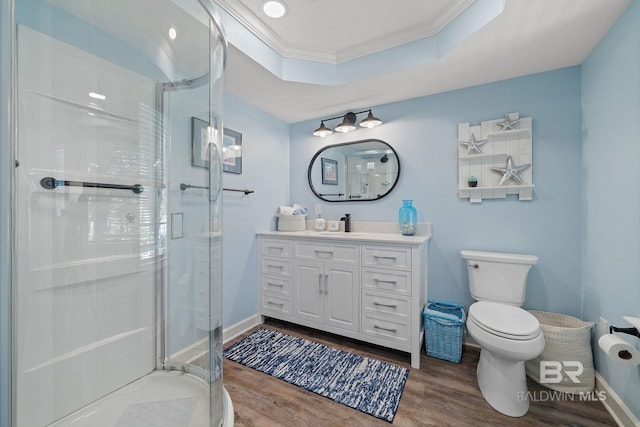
<point x="499" y="277"/>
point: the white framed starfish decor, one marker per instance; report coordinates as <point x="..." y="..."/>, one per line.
<point x="509" y="123"/>
<point x="474" y="145"/>
<point x="511" y="172"/>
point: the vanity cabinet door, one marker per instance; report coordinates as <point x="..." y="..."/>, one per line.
<point x="342" y="290"/>
<point x="327" y="293"/>
<point x="309" y="290"/>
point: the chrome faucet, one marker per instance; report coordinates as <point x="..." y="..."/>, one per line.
<point x="347" y="222"/>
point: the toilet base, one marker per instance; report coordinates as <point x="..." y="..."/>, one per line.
<point x="503" y="384"/>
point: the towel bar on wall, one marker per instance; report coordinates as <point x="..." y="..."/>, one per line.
<point x="187" y="186"/>
<point x="51" y="183"/>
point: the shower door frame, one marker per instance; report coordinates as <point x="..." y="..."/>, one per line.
<point x="7" y="185"/>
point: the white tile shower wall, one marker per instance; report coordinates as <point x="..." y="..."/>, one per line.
<point x="58" y="137"/>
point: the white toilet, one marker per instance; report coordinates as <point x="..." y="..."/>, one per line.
<point x="507" y="334"/>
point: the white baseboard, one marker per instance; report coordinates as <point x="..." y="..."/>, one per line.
<point x="194" y="351"/>
<point x="241" y="327"/>
<point x="191" y="353"/>
<point x="616" y="407"/>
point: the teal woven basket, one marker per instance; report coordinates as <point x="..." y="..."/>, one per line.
<point x="443" y="330"/>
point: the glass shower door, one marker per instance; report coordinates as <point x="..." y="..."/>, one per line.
<point x="117" y="270"/>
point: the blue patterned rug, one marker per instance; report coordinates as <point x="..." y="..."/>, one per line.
<point x="365" y="384"/>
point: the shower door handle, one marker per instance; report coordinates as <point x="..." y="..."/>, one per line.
<point x="215" y="172"/>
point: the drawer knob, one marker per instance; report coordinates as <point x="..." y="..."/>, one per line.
<point x="278" y="304"/>
<point x="318" y="251"/>
<point x="394" y="330"/>
<point x="379" y="304"/>
<point x="393" y="282"/>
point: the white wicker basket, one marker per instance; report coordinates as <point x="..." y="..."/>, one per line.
<point x="566" y="338"/>
<point x="292" y="222"/>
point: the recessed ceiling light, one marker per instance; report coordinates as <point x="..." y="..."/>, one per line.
<point x="274" y="8"/>
<point x="172" y="33"/>
<point x="99" y="96"/>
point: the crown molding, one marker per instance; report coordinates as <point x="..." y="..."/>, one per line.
<point x="251" y="22"/>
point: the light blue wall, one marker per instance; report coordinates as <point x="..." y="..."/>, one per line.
<point x="265" y="170"/>
<point x="611" y="206"/>
<point x="424" y="133"/>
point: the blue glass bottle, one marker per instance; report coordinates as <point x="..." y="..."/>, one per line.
<point x="408" y="218"/>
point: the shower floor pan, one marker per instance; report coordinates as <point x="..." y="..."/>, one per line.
<point x="160" y="399"/>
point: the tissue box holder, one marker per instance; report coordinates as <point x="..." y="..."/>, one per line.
<point x="292" y="222"/>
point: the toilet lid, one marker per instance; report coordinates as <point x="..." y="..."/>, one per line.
<point x="504" y="320"/>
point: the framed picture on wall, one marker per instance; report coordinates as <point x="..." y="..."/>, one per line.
<point x="329" y="171"/>
<point x="199" y="142"/>
<point x="232" y="151"/>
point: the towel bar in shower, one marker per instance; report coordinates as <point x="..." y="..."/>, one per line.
<point x="187" y="186"/>
<point x="50" y="183"/>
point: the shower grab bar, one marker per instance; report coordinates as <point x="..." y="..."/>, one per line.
<point x="332" y="194"/>
<point x="187" y="186"/>
<point x="50" y="183"/>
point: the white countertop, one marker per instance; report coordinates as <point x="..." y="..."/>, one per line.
<point x="360" y="234"/>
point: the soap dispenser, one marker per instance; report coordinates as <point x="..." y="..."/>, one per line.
<point x="320" y="223"/>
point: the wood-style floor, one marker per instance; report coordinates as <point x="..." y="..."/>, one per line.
<point x="440" y="393"/>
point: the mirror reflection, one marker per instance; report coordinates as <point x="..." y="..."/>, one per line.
<point x="354" y="171"/>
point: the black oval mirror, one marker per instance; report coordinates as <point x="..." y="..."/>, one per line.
<point x="354" y="171"/>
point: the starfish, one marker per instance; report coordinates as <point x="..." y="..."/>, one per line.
<point x="474" y="145"/>
<point x="511" y="172"/>
<point x="509" y="124"/>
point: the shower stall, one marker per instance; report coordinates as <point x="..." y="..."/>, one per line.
<point x="115" y="137"/>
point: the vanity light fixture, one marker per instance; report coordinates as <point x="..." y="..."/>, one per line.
<point x="348" y="123"/>
<point x="322" y="131"/>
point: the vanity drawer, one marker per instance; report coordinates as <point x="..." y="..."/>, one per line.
<point x="276" y="266"/>
<point x="276" y="248"/>
<point x="387" y="256"/>
<point x="397" y="331"/>
<point x="276" y="304"/>
<point x="319" y="252"/>
<point x="386" y="280"/>
<point x="276" y="285"/>
<point x="376" y="303"/>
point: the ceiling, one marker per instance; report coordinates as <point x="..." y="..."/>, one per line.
<point x="527" y="37"/>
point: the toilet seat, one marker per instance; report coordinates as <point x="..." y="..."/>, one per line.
<point x="504" y="320"/>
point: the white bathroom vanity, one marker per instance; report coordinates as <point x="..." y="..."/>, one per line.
<point x="366" y="285"/>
